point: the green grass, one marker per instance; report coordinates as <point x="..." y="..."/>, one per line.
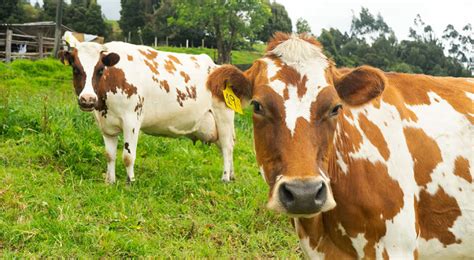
<point x="54" y="202"/>
<point x="238" y="57"/>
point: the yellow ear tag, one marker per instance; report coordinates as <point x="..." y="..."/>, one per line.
<point x="66" y="62"/>
<point x="231" y="100"/>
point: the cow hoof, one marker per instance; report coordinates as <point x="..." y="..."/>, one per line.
<point x="226" y="179"/>
<point x="130" y="181"/>
<point x="109" y="180"/>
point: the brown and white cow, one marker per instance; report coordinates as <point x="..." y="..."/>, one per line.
<point x="368" y="164"/>
<point x="132" y="88"/>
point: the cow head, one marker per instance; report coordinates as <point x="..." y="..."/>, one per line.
<point x="297" y="96"/>
<point x="88" y="61"/>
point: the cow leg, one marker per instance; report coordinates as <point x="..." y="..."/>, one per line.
<point x="130" y="139"/>
<point x="111" y="154"/>
<point x="225" y="129"/>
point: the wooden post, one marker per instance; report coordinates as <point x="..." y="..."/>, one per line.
<point x="166" y="41"/>
<point x="8" y="46"/>
<point x="202" y="43"/>
<point x="40" y="45"/>
<point x="156" y="41"/>
<point x="187" y="43"/>
<point x="129" y="36"/>
<point x="57" y="32"/>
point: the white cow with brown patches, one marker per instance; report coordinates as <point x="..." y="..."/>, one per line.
<point x="387" y="176"/>
<point x="131" y="88"/>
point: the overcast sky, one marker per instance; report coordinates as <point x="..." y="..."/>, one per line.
<point x="398" y="14"/>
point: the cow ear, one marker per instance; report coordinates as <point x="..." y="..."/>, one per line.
<point x="110" y="59"/>
<point x="229" y="75"/>
<point x="360" y="85"/>
<point x="65" y="57"/>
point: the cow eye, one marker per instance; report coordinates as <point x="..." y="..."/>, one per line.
<point x="335" y="110"/>
<point x="257" y="107"/>
<point x="76" y="71"/>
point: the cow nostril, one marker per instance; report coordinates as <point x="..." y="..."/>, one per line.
<point x="285" y="194"/>
<point x="321" y="193"/>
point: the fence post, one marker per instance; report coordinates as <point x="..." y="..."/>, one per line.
<point x="166" y="41"/>
<point x="40" y="45"/>
<point x="8" y="46"/>
<point x="156" y="41"/>
<point x="202" y="43"/>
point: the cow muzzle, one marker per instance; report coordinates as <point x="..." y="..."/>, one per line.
<point x="303" y="197"/>
<point x="87" y="102"/>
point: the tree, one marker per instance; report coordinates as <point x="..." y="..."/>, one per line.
<point x="368" y="27"/>
<point x="279" y="21"/>
<point x="86" y="16"/>
<point x="48" y="11"/>
<point x="302" y="26"/>
<point x="228" y="21"/>
<point x="421" y="31"/>
<point x="132" y="18"/>
<point x="459" y="45"/>
<point x="11" y="11"/>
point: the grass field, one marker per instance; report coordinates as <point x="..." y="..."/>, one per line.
<point x="54" y="202"/>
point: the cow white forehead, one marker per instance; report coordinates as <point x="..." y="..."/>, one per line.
<point x="296" y="50"/>
<point x="308" y="60"/>
<point x="89" y="53"/>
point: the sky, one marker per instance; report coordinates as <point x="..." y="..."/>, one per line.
<point x="398" y="14"/>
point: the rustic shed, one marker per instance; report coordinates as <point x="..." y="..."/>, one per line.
<point x="27" y="40"/>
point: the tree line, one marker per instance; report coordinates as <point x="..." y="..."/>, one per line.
<point x="238" y="24"/>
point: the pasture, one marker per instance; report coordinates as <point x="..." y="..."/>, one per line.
<point x="54" y="201"/>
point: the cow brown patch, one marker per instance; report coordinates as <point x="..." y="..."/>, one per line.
<point x="437" y="214"/>
<point x="333" y="247"/>
<point x="415" y="89"/>
<point x="287" y="75"/>
<point x="127" y="160"/>
<point x="461" y="168"/>
<point x="181" y="96"/>
<point x="139" y="107"/>
<point x="425" y="153"/>
<point x="130" y="57"/>
<point x="153" y="66"/>
<point x="174" y="59"/>
<point x="185" y="76"/>
<point x="367" y="212"/>
<point x="115" y="80"/>
<point x="169" y="66"/>
<point x="164" y="85"/>
<point x="108" y="157"/>
<point x="349" y="138"/>
<point x="394" y="98"/>
<point x="149" y="54"/>
<point x="375" y="136"/>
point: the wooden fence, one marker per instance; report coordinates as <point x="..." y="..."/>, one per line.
<point x="22" y="46"/>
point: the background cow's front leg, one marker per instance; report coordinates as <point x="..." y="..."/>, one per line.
<point x="130" y="140"/>
<point x="111" y="154"/>
<point x="225" y="128"/>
